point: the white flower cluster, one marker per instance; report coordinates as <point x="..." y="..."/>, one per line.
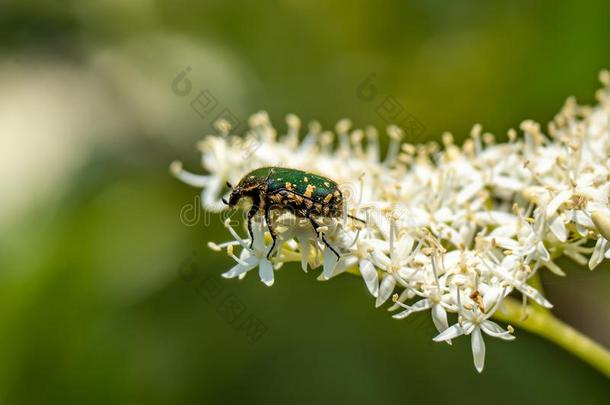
<point x="450" y="229"/>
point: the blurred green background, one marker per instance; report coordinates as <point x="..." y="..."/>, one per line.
<point x="106" y="297"/>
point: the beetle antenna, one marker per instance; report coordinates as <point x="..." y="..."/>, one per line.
<point x="229" y="185"/>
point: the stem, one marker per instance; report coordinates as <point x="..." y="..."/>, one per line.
<point x="543" y="323"/>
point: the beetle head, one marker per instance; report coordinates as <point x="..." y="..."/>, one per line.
<point x="237" y="193"/>
<point x="233" y="197"/>
<point x="248" y="187"/>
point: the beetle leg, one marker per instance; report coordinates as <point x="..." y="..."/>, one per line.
<point x="251" y="214"/>
<point x="330" y="247"/>
<point x="271" y="231"/>
<point x="318" y="233"/>
<point x="356" y="218"/>
<point x="315" y="226"/>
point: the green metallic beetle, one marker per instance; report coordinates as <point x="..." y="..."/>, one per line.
<point x="305" y="194"/>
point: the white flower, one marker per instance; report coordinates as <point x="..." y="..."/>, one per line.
<point x="601" y="250"/>
<point x="473" y="323"/>
<point x="434" y="304"/>
<point x="367" y="269"/>
<point x="452" y="230"/>
<point x="251" y="258"/>
<point x="400" y="252"/>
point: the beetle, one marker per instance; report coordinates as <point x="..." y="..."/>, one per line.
<point x="305" y="194"/>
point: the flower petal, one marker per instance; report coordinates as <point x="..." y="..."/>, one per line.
<point x="558" y="228"/>
<point x="543" y="253"/>
<point x="439" y="318"/>
<point x="265" y="271"/>
<point x="556" y="202"/>
<point x="258" y="233"/>
<point x="450" y="333"/>
<point x="495" y="330"/>
<point x="304" y="249"/>
<point x="210" y="195"/>
<point x="552" y="266"/>
<point x="598" y="253"/>
<point x="478" y="349"/>
<point x="385" y="290"/>
<point x="240" y="269"/>
<point x="420" y="305"/>
<point x="330" y="262"/>
<point x="369" y="274"/>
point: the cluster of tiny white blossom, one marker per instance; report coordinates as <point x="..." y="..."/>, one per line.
<point x="450" y="229"/>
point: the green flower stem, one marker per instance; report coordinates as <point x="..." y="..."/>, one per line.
<point x="546" y="325"/>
